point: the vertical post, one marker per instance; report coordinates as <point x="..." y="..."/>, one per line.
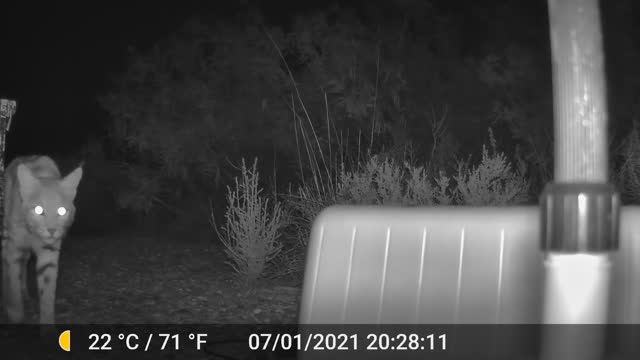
<point x="7" y="109"/>
<point x="580" y="210"/>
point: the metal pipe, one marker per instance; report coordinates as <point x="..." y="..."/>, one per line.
<point x="580" y="210"/>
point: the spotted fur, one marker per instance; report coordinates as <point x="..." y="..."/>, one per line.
<point x="38" y="211"/>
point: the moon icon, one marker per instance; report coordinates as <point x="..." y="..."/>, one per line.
<point x="64" y="340"/>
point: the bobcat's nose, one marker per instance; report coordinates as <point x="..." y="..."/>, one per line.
<point x="51" y="231"/>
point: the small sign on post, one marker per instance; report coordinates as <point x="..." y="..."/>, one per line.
<point x="7" y="109"/>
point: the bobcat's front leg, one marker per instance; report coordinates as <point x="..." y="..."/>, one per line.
<point x="26" y="297"/>
<point x="47" y="275"/>
<point x="12" y="260"/>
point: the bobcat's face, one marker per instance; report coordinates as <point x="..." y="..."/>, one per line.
<point x="48" y="215"/>
<point x="47" y="203"/>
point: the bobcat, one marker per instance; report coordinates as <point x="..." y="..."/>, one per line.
<point x="38" y="210"/>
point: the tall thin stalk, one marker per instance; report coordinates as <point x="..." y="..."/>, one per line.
<point x="375" y="98"/>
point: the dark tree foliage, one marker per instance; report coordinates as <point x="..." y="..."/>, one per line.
<point x="373" y="79"/>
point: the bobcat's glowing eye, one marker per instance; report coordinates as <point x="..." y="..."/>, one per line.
<point x="39" y="210"/>
<point x="62" y="211"/>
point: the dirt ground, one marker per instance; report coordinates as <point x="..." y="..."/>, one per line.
<point x="165" y="278"/>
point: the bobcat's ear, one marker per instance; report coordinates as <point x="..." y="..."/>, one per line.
<point x="71" y="181"/>
<point x="26" y="181"/>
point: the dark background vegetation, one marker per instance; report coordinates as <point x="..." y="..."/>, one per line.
<point x="161" y="100"/>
